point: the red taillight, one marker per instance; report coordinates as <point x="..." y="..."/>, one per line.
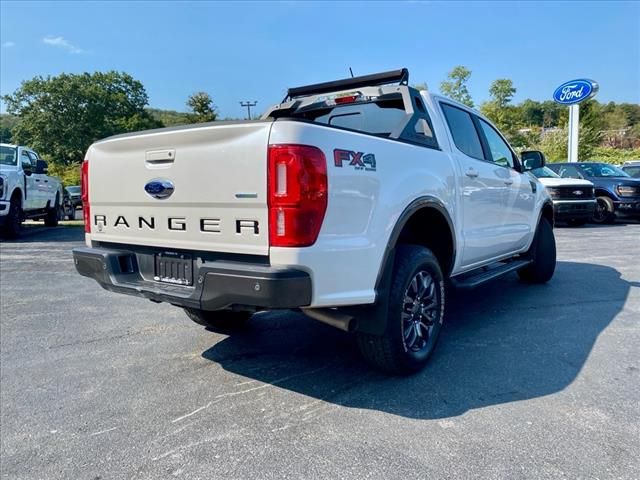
<point x="297" y="183"/>
<point x="84" y="190"/>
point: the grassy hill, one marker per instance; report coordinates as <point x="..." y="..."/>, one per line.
<point x="169" y="118"/>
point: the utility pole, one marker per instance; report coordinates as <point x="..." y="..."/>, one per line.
<point x="249" y="104"/>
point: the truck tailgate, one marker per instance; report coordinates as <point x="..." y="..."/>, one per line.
<point x="215" y="177"/>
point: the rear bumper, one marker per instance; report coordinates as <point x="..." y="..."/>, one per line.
<point x="217" y="284"/>
<point x="573" y="209"/>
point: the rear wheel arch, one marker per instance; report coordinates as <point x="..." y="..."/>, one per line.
<point x="440" y="240"/>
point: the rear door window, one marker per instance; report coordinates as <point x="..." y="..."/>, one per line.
<point x="463" y="131"/>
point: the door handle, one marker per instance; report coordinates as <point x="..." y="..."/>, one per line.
<point x="37" y="179"/>
<point x="508" y="183"/>
<point x="471" y="173"/>
<point x="46" y="181"/>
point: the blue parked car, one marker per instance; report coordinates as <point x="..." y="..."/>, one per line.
<point x="617" y="193"/>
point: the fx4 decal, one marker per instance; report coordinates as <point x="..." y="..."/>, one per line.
<point x="357" y="160"/>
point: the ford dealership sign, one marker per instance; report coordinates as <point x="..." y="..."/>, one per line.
<point x="575" y="91"/>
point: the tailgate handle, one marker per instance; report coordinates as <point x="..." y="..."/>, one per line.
<point x="158" y="158"/>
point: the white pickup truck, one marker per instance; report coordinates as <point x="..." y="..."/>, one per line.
<point x="26" y="191"/>
<point x="355" y="201"/>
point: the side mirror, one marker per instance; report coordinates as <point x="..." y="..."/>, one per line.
<point x="41" y="166"/>
<point x="532" y="159"/>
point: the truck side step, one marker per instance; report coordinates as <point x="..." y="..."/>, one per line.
<point x="475" y="278"/>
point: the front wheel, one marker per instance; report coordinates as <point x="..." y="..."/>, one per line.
<point x="221" y="321"/>
<point x="605" y="212"/>
<point x="543" y="255"/>
<point x="13" y="225"/>
<point x="414" y="317"/>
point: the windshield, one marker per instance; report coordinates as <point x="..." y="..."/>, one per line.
<point x="633" y="171"/>
<point x="8" y="156"/>
<point x="73" y="189"/>
<point x="602" y="170"/>
<point x="544" y="172"/>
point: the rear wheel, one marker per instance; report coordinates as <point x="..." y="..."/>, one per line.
<point x="604" y="210"/>
<point x="13" y="225"/>
<point x="51" y="220"/>
<point x="221" y="321"/>
<point x="543" y="254"/>
<point x="414" y="318"/>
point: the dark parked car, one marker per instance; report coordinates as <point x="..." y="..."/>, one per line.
<point x="74" y="195"/>
<point x="67" y="210"/>
<point x="617" y="193"/>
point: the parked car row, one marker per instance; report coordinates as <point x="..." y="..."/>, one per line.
<point x="581" y="192"/>
<point x="617" y="194"/>
<point x="28" y="192"/>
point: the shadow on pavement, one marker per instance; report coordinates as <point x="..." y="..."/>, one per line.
<point x="39" y="233"/>
<point x="503" y="342"/>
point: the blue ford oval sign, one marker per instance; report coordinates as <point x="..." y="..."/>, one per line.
<point x="575" y="91"/>
<point x="159" y="188"/>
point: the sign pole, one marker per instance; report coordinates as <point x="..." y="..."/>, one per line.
<point x="572" y="93"/>
<point x="574" y="122"/>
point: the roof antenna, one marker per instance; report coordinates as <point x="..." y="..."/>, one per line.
<point x="351" y="72"/>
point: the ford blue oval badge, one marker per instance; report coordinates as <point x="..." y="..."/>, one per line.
<point x="575" y="91"/>
<point x="159" y="188"/>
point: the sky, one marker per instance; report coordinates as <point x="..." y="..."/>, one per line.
<point x="254" y="51"/>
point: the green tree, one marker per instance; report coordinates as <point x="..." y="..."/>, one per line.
<point x="201" y="104"/>
<point x="554" y="143"/>
<point x="69" y="173"/>
<point x="530" y="113"/>
<point x="455" y="86"/>
<point x="502" y="91"/>
<point x="61" y="116"/>
<point x="7" y="124"/>
<point x="498" y="110"/>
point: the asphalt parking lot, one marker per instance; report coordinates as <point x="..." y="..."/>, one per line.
<point x="527" y="381"/>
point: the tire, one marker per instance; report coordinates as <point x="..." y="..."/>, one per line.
<point x="543" y="254"/>
<point x="604" y="213"/>
<point x="51" y="220"/>
<point x="13" y="226"/>
<point x="576" y="223"/>
<point x="415" y="314"/>
<point x="220" y="321"/>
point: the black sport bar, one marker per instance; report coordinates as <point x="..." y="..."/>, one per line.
<point x="401" y="76"/>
